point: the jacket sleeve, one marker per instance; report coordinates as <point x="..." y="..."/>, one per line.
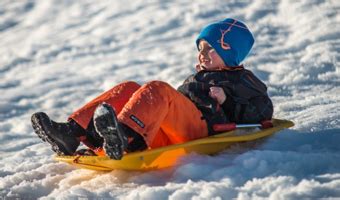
<point x="234" y="107"/>
<point x="184" y="88"/>
<point x="247" y="100"/>
<point x="198" y="93"/>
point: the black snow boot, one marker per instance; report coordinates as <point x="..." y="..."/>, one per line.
<point x="93" y="139"/>
<point x="108" y="127"/>
<point x="136" y="141"/>
<point x="61" y="136"/>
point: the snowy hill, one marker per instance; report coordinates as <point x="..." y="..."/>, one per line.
<point x="57" y="55"/>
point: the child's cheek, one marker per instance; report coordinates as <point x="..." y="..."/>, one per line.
<point x="213" y="57"/>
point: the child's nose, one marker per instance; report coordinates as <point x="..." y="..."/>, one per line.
<point x="203" y="53"/>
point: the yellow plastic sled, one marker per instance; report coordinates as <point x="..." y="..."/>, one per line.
<point x="163" y="157"/>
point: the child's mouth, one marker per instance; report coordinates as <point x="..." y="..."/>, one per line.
<point x="203" y="67"/>
<point x="205" y="62"/>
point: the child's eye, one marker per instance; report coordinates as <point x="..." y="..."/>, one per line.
<point x="210" y="49"/>
<point x="205" y="48"/>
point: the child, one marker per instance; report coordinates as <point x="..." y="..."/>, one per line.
<point x="130" y="117"/>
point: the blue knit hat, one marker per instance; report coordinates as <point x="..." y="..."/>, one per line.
<point x="231" y="39"/>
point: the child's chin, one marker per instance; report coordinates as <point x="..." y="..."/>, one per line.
<point x="211" y="68"/>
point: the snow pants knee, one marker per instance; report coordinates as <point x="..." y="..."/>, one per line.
<point x="158" y="112"/>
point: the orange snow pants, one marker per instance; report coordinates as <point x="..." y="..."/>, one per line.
<point x="158" y="112"/>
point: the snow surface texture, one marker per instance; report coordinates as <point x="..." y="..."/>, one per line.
<point x="57" y="55"/>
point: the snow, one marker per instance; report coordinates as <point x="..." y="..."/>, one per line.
<point x="100" y="111"/>
<point x="57" y="55"/>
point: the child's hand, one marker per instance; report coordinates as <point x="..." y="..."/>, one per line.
<point x="218" y="94"/>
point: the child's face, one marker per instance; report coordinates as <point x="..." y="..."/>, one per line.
<point x="208" y="57"/>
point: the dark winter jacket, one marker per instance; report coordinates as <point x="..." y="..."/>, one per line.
<point x="247" y="99"/>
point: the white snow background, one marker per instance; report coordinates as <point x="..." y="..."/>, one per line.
<point x="55" y="55"/>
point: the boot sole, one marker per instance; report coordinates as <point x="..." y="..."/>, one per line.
<point x="106" y="125"/>
<point x="40" y="130"/>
